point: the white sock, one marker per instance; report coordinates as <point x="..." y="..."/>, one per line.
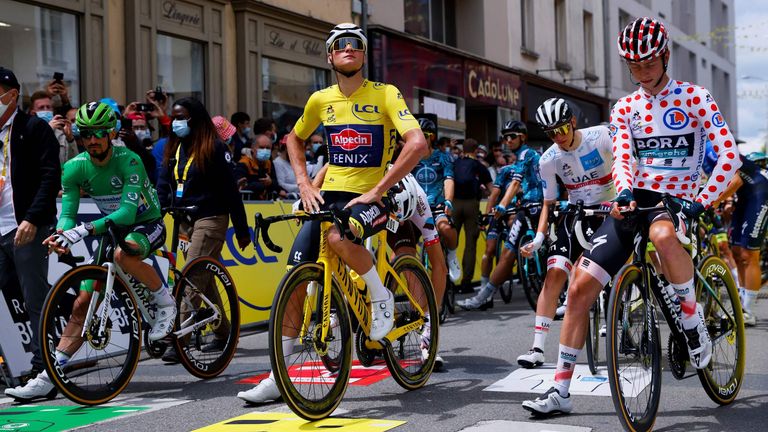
<point x="451" y="254"/>
<point x="749" y="296"/>
<point x="541" y="331"/>
<point x="287" y="350"/>
<point x="566" y="363"/>
<point x="62" y="358"/>
<point x="484" y="281"/>
<point x="163" y="297"/>
<point x="372" y="279"/>
<point x="735" y="273"/>
<point x="687" y="298"/>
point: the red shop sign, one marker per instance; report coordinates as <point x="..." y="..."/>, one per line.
<point x="488" y="85"/>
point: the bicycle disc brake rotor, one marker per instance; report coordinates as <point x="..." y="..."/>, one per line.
<point x="676" y="357"/>
<point x="99" y="342"/>
<point x="320" y="347"/>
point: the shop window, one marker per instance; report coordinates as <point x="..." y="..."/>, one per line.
<point x="37" y="42"/>
<point x="432" y="19"/>
<point x="527" y="20"/>
<point x="180" y="67"/>
<point x="589" y="44"/>
<point x="561" y="33"/>
<point x="286" y="88"/>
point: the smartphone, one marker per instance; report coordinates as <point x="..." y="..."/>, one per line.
<point x="126" y="124"/>
<point x="159" y="96"/>
<point x="58" y="77"/>
<point x="145" y="107"/>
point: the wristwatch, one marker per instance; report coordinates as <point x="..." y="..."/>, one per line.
<point x="89" y="226"/>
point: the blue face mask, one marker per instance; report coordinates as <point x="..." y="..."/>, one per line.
<point x="263" y="154"/>
<point x="246" y="131"/>
<point x="143" y="134"/>
<point x="180" y="128"/>
<point x="75" y="130"/>
<point x="45" y="115"/>
<point x="316" y="147"/>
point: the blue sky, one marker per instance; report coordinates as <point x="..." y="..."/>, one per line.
<point x="752" y="30"/>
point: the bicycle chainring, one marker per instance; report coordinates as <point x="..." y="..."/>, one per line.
<point x="677" y="358"/>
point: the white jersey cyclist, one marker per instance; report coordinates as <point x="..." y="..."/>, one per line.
<point x="659" y="142"/>
<point x="583" y="172"/>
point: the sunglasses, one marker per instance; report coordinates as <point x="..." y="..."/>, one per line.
<point x="341" y="43"/>
<point x="512" y="135"/>
<point x="560" y="130"/>
<point x="98" y="133"/>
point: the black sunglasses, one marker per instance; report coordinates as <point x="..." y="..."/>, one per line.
<point x="341" y="43"/>
<point x="98" y="133"/>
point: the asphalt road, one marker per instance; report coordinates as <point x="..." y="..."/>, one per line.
<point x="479" y="349"/>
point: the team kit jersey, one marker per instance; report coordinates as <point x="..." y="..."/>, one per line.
<point x="659" y="142"/>
<point x="585" y="171"/>
<point x="526" y="171"/>
<point x="121" y="190"/>
<point x="361" y="132"/>
<point x="431" y="174"/>
<point x="503" y="180"/>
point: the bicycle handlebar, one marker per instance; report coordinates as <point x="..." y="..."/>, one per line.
<point x="340" y="217"/>
<point x="180" y="211"/>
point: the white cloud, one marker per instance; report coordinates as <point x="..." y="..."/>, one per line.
<point x="751" y="21"/>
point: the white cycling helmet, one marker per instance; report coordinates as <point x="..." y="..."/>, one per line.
<point x="404" y="197"/>
<point x="553" y="112"/>
<point x="345" y="29"/>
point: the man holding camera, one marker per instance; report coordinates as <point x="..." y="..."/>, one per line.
<point x="42" y="107"/>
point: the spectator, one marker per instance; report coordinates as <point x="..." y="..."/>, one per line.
<point x="480" y="154"/>
<point x="316" y="153"/>
<point x="27" y="216"/>
<point x="159" y="101"/>
<point x="42" y="107"/>
<point x="469" y="176"/>
<point x="266" y="126"/>
<point x="495" y="159"/>
<point x="59" y="94"/>
<point x="286" y="178"/>
<point x="241" y="140"/>
<point x="138" y="139"/>
<point x="254" y="171"/>
<point x="196" y="172"/>
<point x="456" y="151"/>
<point x="71" y="116"/>
<point x="226" y="131"/>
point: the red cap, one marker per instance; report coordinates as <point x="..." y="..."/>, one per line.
<point x="223" y="127"/>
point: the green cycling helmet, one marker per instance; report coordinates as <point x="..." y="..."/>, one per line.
<point x="96" y="115"/>
<point x="757" y="156"/>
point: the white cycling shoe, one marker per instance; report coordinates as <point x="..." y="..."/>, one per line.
<point x="39" y="387"/>
<point x="549" y="403"/>
<point x="383" y="315"/>
<point x="265" y="391"/>
<point x="531" y="359"/>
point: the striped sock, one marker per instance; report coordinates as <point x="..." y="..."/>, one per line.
<point x="566" y="363"/>
<point x="687" y="298"/>
<point x="541" y="331"/>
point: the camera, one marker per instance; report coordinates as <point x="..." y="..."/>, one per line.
<point x="58" y="77"/>
<point x="145" y="107"/>
<point x="159" y="96"/>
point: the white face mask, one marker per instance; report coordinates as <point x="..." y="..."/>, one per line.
<point x="4" y="107"/>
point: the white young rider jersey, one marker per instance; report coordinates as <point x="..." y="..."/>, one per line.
<point x="585" y="171"/>
<point x="659" y="142"/>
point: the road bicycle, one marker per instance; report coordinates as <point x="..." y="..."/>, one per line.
<point x="105" y="336"/>
<point x="531" y="270"/>
<point x="310" y="337"/>
<point x="634" y="346"/>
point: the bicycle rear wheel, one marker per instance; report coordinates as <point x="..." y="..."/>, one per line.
<point x="411" y="358"/>
<point x="308" y="387"/>
<point x="723" y="376"/>
<point x="531" y="271"/>
<point x="634" y="352"/>
<point x="505" y="291"/>
<point x="593" y="337"/>
<point x="204" y="290"/>
<point x="101" y="364"/>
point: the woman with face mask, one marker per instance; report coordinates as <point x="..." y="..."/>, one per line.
<point x="255" y="171"/>
<point x="196" y="172"/>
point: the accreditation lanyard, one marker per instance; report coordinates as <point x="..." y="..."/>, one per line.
<point x="6" y="162"/>
<point x="180" y="180"/>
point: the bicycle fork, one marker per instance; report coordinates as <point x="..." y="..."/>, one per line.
<point x="105" y="311"/>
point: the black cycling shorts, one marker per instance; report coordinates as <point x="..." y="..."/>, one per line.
<point x="750" y="218"/>
<point x="613" y="242"/>
<point x="519" y="227"/>
<point x="368" y="219"/>
<point x="565" y="248"/>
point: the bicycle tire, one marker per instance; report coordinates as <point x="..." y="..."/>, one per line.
<point x="206" y="365"/>
<point x="505" y="291"/>
<point x="404" y="356"/>
<point x="722" y="385"/>
<point x="593" y="338"/>
<point x="301" y="395"/>
<point x="629" y="303"/>
<point x="119" y="352"/>
<point x="528" y="272"/>
<point x="450" y="295"/>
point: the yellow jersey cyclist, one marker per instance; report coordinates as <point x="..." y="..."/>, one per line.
<point x="115" y="179"/>
<point x="361" y="121"/>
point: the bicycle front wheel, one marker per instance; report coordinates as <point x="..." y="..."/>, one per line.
<point x="531" y="271"/>
<point x="312" y="374"/>
<point x="209" y="317"/>
<point x="634" y="352"/>
<point x="101" y="362"/>
<point x="593" y="337"/>
<point x="411" y="358"/>
<point x="724" y="374"/>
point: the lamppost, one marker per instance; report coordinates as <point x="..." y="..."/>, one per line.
<point x="757" y="78"/>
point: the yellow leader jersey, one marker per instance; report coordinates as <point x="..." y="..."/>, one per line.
<point x="360" y="131"/>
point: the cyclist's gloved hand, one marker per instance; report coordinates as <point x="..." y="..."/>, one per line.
<point x="692" y="209"/>
<point x="69" y="237"/>
<point x="448" y="205"/>
<point x="624" y="198"/>
<point x="537" y="242"/>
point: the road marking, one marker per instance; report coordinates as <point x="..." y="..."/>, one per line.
<point x="273" y="422"/>
<point x="506" y="425"/>
<point x="540" y="380"/>
<point x="315" y="373"/>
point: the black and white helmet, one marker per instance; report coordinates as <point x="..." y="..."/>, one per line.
<point x="404" y="195"/>
<point x="642" y="39"/>
<point x="553" y="112"/>
<point x="345" y="29"/>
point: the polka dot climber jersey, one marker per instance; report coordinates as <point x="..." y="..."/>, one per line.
<point x="659" y="142"/>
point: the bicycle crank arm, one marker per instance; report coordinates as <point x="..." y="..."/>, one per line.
<point x="187" y="330"/>
<point x="399" y="332"/>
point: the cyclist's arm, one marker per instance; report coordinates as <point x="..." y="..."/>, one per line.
<point x="320" y="177"/>
<point x="448" y="185"/>
<point x="734" y="185"/>
<point x="623" y="168"/>
<point x="495" y="192"/>
<point x="510" y="193"/>
<point x="544" y="216"/>
<point x="728" y="161"/>
<point x="70" y="198"/>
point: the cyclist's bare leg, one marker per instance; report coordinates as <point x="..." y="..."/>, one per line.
<point x="748" y="262"/>
<point x="503" y="269"/>
<point x="678" y="266"/>
<point x="486" y="264"/>
<point x="136" y="267"/>
<point x="71" y="341"/>
<point x="554" y="281"/>
<point x="439" y="270"/>
<point x="448" y="234"/>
